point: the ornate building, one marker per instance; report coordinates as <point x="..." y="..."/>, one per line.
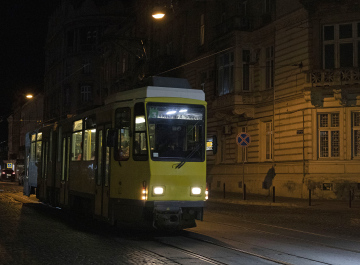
<point x="284" y="71"/>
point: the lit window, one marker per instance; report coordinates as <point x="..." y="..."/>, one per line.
<point x="35" y="147"/>
<point x="89" y="144"/>
<point x="77" y="145"/>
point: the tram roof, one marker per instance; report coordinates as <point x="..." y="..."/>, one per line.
<point x="156" y="91"/>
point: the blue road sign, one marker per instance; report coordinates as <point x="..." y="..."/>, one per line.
<point x="243" y="139"/>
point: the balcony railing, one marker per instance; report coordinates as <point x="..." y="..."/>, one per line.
<point x="336" y="77"/>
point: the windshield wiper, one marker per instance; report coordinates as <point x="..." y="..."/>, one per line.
<point x="189" y="156"/>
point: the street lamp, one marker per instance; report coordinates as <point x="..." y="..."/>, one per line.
<point x="29" y="96"/>
<point x="158" y="12"/>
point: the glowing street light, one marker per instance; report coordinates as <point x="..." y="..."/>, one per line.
<point x="158" y="13"/>
<point x="29" y="96"/>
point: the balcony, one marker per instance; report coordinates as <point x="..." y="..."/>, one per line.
<point x="239" y="104"/>
<point x="336" y="77"/>
<point x="341" y="84"/>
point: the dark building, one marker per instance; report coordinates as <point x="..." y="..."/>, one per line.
<point x="285" y="72"/>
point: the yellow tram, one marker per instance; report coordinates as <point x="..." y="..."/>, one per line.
<point x="139" y="160"/>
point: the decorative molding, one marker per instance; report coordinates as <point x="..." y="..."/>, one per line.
<point x="229" y="105"/>
<point x="247" y="112"/>
<point x="341" y="95"/>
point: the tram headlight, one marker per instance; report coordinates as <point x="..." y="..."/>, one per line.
<point x="196" y="191"/>
<point x="158" y="190"/>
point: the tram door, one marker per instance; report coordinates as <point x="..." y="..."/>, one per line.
<point x="102" y="192"/>
<point x="65" y="169"/>
<point x="44" y="160"/>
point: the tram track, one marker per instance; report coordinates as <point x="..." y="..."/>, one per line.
<point x="207" y="248"/>
<point x="263" y="257"/>
<point x="298" y="238"/>
<point x="196" y="235"/>
<point x="215" y="261"/>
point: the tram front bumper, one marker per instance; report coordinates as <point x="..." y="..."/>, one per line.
<point x="176" y="214"/>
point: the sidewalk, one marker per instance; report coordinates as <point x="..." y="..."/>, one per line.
<point x="251" y="199"/>
<point x="254" y="199"/>
<point x="19" y="196"/>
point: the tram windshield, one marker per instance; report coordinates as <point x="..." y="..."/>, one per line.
<point x="176" y="132"/>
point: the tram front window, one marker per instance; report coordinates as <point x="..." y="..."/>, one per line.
<point x="176" y="131"/>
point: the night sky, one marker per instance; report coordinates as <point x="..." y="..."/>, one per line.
<point x="24" y="25"/>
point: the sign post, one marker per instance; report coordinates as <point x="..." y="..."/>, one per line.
<point x="243" y="139"/>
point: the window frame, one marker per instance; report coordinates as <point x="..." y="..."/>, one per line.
<point x="269" y="67"/>
<point x="85" y="93"/>
<point x="120" y="154"/>
<point x="36" y="147"/>
<point x="222" y="67"/>
<point x="337" y="41"/>
<point x="139" y="111"/>
<point x="327" y="142"/>
<point x="77" y="130"/>
<point x="355" y="127"/>
<point x="269" y="143"/>
<point x="246" y="54"/>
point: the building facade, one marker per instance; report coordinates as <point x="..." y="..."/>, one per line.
<point x="285" y="72"/>
<point x="74" y="56"/>
<point x="27" y="116"/>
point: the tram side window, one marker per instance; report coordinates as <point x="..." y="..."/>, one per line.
<point x="89" y="138"/>
<point x="107" y="162"/>
<point x="38" y="146"/>
<point x="33" y="148"/>
<point x="77" y="145"/>
<point x="36" y="141"/>
<point x="140" y="145"/>
<point x="89" y="144"/>
<point x="122" y="124"/>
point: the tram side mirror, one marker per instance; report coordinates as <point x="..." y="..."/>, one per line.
<point x="111" y="138"/>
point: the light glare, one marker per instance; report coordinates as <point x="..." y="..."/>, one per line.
<point x="158" y="15"/>
<point x="196" y="191"/>
<point x="158" y="190"/>
<point x="139" y="120"/>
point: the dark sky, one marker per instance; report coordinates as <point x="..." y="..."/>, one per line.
<point x="24" y="28"/>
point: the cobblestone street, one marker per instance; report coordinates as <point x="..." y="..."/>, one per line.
<point x="33" y="233"/>
<point x="288" y="230"/>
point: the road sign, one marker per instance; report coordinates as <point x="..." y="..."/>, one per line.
<point x="243" y="139"/>
<point x="9" y="165"/>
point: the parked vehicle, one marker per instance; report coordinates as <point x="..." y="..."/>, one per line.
<point x="7" y="174"/>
